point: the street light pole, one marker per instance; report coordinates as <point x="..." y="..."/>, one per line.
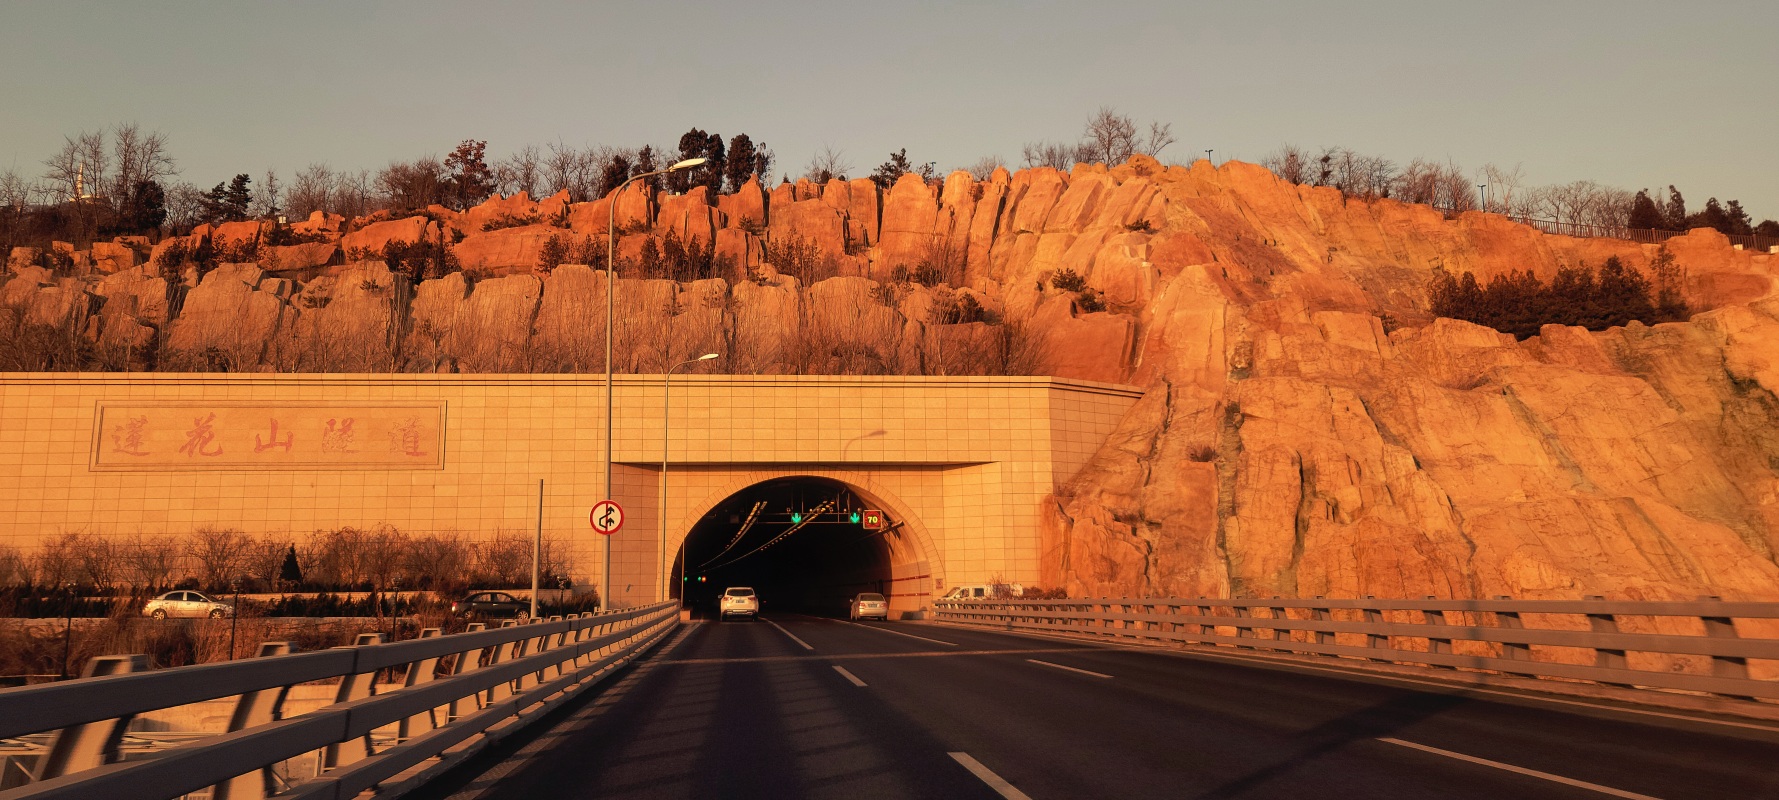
<point x="1482" y="189"/>
<point x="611" y="293"/>
<point x="666" y="415"/>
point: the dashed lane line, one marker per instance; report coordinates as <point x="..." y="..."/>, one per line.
<point x="899" y="633"/>
<point x="787" y="633"/>
<point x="1071" y="669"/>
<point x="1458" y="689"/>
<point x="1593" y="787"/>
<point x="995" y="782"/>
<point x="849" y="676"/>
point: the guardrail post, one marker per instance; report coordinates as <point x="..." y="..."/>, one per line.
<point x="467" y="661"/>
<point x="1278" y="612"/>
<point x="501" y="654"/>
<point x="1605" y="623"/>
<point x="90" y="744"/>
<point x="419" y="672"/>
<point x="1725" y="666"/>
<point x="1433" y="616"/>
<point x="252" y="709"/>
<point x="354" y="686"/>
<point x="1374" y="641"/>
<point x="1511" y="620"/>
<point x="1320" y="614"/>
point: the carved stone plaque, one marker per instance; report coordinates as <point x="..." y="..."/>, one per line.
<point x="269" y="435"/>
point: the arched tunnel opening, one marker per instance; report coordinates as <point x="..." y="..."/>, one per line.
<point x="800" y="543"/>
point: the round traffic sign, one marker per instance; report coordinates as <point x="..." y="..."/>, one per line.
<point x="607" y="517"/>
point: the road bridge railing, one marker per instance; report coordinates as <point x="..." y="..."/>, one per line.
<point x="456" y="694"/>
<point x="1685" y="647"/>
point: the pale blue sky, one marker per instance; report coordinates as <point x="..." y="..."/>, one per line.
<point x="1629" y="94"/>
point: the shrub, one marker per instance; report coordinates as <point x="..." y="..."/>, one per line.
<point x="511" y="221"/>
<point x="1067" y="280"/>
<point x="555" y="250"/>
<point x="1519" y="303"/>
<point x="1089" y="301"/>
<point x="1202" y="454"/>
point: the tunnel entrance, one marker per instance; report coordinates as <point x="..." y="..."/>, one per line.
<point x="800" y="543"/>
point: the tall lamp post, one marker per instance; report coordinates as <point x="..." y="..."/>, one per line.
<point x="666" y="415"/>
<point x="1482" y="190"/>
<point x="611" y="293"/>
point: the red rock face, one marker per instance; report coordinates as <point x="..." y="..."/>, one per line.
<point x="1308" y="428"/>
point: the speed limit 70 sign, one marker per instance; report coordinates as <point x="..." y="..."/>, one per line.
<point x="607" y="517"/>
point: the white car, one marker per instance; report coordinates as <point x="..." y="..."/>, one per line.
<point x="186" y="604"/>
<point x="738" y="600"/>
<point x="870" y="604"/>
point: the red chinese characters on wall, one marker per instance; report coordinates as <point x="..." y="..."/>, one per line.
<point x="248" y="435"/>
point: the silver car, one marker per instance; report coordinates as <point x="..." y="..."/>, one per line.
<point x="870" y="604"/>
<point x="185" y="603"/>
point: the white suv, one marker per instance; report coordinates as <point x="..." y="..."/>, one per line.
<point x="738" y="600"/>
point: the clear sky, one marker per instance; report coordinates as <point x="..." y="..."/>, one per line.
<point x="1625" y="93"/>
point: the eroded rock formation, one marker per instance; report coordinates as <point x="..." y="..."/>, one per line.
<point x="1309" y="429"/>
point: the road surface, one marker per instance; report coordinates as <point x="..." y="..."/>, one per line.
<point x="791" y="706"/>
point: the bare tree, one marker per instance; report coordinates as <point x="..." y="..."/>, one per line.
<point x="385" y="552"/>
<point x="185" y="205"/>
<point x="1110" y="137"/>
<point x="1161" y="134"/>
<point x="1288" y="162"/>
<point x="140" y="156"/>
<point x="1056" y="155"/>
<point x="219" y="553"/>
<point x="56" y="563"/>
<point x="1504" y="187"/>
<point x="506" y="558"/>
<point x="14" y="570"/>
<point x="520" y="172"/>
<point x="315" y="190"/>
<point x="827" y="164"/>
<point x="268" y="196"/>
<point x="100" y="559"/>
<point x="439" y="561"/>
<point x="985" y="167"/>
<point x="152" y="560"/>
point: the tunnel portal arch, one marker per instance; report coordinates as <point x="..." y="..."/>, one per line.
<point x="915" y="568"/>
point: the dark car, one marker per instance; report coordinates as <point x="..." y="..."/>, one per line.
<point x="492" y="604"/>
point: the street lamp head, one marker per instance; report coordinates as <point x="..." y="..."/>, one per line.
<point x="687" y="164"/>
<point x="708" y="356"/>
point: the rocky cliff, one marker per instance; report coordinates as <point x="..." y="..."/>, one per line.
<point x="1309" y="429"/>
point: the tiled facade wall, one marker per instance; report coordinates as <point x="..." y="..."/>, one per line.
<point x="966" y="459"/>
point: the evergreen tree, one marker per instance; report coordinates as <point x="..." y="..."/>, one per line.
<point x="469" y="181"/>
<point x="691" y="145"/>
<point x="739" y="166"/>
<point x="1676" y="210"/>
<point x="710" y="173"/>
<point x="1645" y="214"/>
<point x="291" y="572"/>
<point x="614" y="175"/>
<point x="645" y="164"/>
<point x="1739" y="222"/>
<point x="889" y="171"/>
<point x="228" y="202"/>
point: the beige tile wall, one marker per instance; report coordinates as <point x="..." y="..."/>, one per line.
<point x="966" y="460"/>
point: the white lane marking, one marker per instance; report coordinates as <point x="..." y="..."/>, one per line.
<point x="987" y="775"/>
<point x="849" y="676"/>
<point x="1606" y="790"/>
<point x="787" y="633"/>
<point x="1361" y="675"/>
<point x="899" y="633"/>
<point x="1071" y="669"/>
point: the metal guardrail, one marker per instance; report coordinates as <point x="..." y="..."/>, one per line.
<point x="480" y="683"/>
<point x="1481" y="635"/>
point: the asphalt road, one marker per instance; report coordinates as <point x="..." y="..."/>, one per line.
<point x="791" y="707"/>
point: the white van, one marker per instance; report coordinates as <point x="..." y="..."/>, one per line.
<point x="977" y="591"/>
